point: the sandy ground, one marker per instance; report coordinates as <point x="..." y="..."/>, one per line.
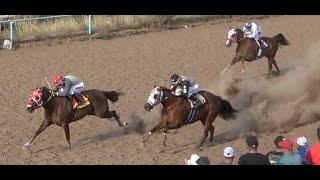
<point x="132" y="65"/>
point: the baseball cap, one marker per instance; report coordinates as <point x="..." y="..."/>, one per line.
<point x="252" y="141"/>
<point x="286" y="144"/>
<point x="228" y="152"/>
<point x="302" y="141"/>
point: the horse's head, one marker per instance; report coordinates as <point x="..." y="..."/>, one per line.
<point x="38" y="97"/>
<point x="234" y="35"/>
<point x="156" y="96"/>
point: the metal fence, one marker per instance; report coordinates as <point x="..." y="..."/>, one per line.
<point x="13" y="21"/>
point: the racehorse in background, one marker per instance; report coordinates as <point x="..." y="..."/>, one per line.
<point x="247" y="49"/>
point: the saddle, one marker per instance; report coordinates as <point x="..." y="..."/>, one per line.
<point x="84" y="103"/>
<point x="200" y="101"/>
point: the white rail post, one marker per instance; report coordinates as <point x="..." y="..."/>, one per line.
<point x="90" y="26"/>
<point x="11" y="33"/>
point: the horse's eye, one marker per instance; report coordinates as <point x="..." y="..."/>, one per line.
<point x="155" y="96"/>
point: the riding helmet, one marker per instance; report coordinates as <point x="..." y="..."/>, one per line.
<point x="174" y="78"/>
<point x="248" y="25"/>
<point x="57" y="80"/>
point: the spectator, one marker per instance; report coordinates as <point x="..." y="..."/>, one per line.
<point x="253" y="157"/>
<point x="197" y="160"/>
<point x="313" y="155"/>
<point x="303" y="149"/>
<point x="228" y="156"/>
<point x="274" y="156"/>
<point x="289" y="157"/>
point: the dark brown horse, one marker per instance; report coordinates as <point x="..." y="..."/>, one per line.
<point x="59" y="110"/>
<point x="176" y="109"/>
<point x="247" y="49"/>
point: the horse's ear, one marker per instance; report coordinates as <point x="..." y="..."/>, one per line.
<point x="154" y="86"/>
<point x="230" y="28"/>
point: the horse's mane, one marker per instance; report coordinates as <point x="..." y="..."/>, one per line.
<point x="58" y="107"/>
<point x="164" y="88"/>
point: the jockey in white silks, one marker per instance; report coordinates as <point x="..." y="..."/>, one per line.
<point x="252" y="30"/>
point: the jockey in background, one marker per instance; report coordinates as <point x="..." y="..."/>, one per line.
<point x="252" y="30"/>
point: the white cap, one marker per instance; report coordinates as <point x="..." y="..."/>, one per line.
<point x="302" y="141"/>
<point x="193" y="159"/>
<point x="228" y="152"/>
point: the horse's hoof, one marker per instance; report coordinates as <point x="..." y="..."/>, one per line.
<point x="26" y="145"/>
<point x="125" y="124"/>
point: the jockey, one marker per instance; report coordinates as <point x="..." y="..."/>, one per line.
<point x="189" y="85"/>
<point x="68" y="86"/>
<point x="252" y="30"/>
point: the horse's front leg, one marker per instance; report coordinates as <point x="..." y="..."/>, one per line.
<point x="44" y="124"/>
<point x="243" y="67"/>
<point x="65" y="127"/>
<point x="234" y="61"/>
<point x="158" y="127"/>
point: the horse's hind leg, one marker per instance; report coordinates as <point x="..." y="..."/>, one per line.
<point x="270" y="67"/>
<point x="110" y="114"/>
<point x="44" y="124"/>
<point x="65" y="127"/>
<point x="211" y="129"/>
<point x="210" y="118"/>
<point x="276" y="65"/>
<point x="211" y="132"/>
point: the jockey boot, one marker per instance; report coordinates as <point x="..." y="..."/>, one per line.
<point x="196" y="102"/>
<point x="78" y="97"/>
<point x="262" y="43"/>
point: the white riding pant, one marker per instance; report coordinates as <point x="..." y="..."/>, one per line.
<point x="78" y="88"/>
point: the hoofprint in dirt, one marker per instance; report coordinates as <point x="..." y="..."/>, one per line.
<point x="133" y="65"/>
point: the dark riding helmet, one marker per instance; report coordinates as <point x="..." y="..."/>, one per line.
<point x="248" y="25"/>
<point x="174" y="78"/>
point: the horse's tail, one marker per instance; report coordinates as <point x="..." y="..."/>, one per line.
<point x="227" y="111"/>
<point x="281" y="39"/>
<point x="112" y="95"/>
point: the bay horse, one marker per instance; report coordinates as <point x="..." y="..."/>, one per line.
<point x="248" y="48"/>
<point x="59" y="110"/>
<point x="176" y="108"/>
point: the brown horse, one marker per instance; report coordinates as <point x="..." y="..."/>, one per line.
<point x="247" y="49"/>
<point x="59" y="110"/>
<point x="176" y="109"/>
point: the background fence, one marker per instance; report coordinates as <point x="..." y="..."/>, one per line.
<point x="33" y="28"/>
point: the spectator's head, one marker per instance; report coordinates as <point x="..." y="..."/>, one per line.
<point x="286" y="145"/>
<point x="197" y="160"/>
<point x="302" y="141"/>
<point x="277" y="140"/>
<point x="318" y="133"/>
<point x="228" y="154"/>
<point x="252" y="142"/>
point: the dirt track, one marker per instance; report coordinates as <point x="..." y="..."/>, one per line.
<point x="132" y="65"/>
